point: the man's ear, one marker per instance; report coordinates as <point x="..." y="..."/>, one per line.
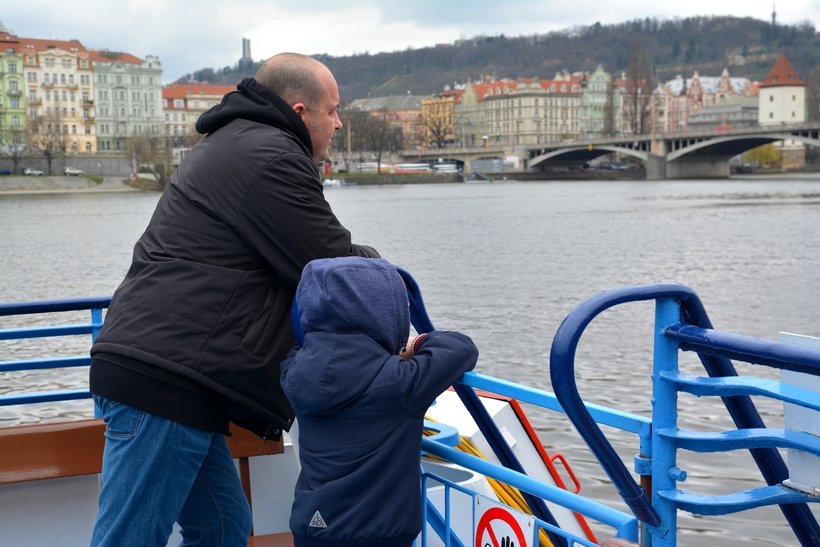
<point x="299" y="108"/>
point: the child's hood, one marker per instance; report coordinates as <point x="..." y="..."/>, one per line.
<point x="355" y="295"/>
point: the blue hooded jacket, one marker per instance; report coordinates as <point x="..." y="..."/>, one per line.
<point x="360" y="406"/>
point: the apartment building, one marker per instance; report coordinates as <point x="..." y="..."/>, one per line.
<point x="57" y="77"/>
<point x="522" y="112"/>
<point x="600" y="105"/>
<point x="184" y="103"/>
<point x="12" y="103"/>
<point x="127" y="98"/>
<point x="678" y="100"/>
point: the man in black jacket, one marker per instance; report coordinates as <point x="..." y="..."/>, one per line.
<point x="196" y="331"/>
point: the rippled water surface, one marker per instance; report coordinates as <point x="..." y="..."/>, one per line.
<point x="505" y="262"/>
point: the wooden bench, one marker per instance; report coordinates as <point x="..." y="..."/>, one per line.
<point x="74" y="449"/>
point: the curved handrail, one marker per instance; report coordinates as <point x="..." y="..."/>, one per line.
<point x="741" y="408"/>
<point x="562" y="375"/>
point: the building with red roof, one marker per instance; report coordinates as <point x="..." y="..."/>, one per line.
<point x="782" y="100"/>
<point x="184" y="103"/>
<point x="57" y="89"/>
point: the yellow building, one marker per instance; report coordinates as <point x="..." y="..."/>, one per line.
<point x="58" y="88"/>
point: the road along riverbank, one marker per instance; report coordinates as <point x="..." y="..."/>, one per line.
<point x="24" y="184"/>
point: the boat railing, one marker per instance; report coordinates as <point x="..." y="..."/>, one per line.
<point x="681" y="324"/>
<point x="510" y="470"/>
<point x="94" y="305"/>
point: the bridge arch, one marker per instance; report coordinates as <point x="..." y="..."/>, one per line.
<point x="585" y="153"/>
<point x="732" y="145"/>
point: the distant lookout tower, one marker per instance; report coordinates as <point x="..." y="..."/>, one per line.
<point x="246" y="59"/>
<point x="774" y="14"/>
<point x="246" y="48"/>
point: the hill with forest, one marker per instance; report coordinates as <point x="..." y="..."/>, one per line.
<point x="747" y="47"/>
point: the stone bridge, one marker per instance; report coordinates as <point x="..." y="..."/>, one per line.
<point x="690" y="154"/>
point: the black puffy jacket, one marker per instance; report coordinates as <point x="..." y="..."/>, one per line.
<point x="207" y="297"/>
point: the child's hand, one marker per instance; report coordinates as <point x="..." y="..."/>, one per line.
<point x="406" y="352"/>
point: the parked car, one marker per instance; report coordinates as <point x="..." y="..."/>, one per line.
<point x="5" y="172"/>
<point x="30" y="171"/>
<point x="73" y="171"/>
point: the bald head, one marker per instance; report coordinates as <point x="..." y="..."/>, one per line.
<point x="294" y="77"/>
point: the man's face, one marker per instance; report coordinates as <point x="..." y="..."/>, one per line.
<point x="322" y="119"/>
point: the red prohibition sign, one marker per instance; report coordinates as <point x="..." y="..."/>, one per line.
<point x="497" y="513"/>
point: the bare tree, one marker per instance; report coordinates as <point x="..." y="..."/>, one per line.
<point x="437" y="123"/>
<point x="813" y="109"/>
<point x="46" y="135"/>
<point x="609" y="110"/>
<point x="151" y="154"/>
<point x="12" y="145"/>
<point x="813" y="96"/>
<point x="371" y="132"/>
<point x="638" y="90"/>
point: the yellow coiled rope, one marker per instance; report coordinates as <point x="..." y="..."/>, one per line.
<point x="508" y="495"/>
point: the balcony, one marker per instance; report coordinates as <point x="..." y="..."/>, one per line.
<point x="35" y="102"/>
<point x="88" y="102"/>
<point x="14" y="93"/>
<point x="88" y="119"/>
<point x="48" y="85"/>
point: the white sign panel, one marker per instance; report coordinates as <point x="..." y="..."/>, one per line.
<point x="500" y="526"/>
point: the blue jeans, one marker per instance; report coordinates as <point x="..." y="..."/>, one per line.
<point x="156" y="472"/>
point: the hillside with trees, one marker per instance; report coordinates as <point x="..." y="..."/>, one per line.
<point x="745" y="46"/>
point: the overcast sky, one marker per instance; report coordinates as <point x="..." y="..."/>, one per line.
<point x="188" y="35"/>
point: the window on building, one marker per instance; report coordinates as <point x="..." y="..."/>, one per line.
<point x="30" y="60"/>
<point x="14" y="102"/>
<point x="771" y="98"/>
<point x="15" y="121"/>
<point x="12" y="68"/>
<point x="62" y="79"/>
<point x="13" y="85"/>
<point x="118" y="78"/>
<point x="88" y="147"/>
<point x="71" y="79"/>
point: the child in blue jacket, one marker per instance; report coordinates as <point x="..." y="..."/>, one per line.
<point x="360" y="389"/>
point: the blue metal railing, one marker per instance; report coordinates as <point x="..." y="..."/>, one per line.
<point x="95" y="305"/>
<point x="681" y="323"/>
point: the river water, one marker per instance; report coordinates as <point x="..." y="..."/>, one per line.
<point x="504" y="263"/>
